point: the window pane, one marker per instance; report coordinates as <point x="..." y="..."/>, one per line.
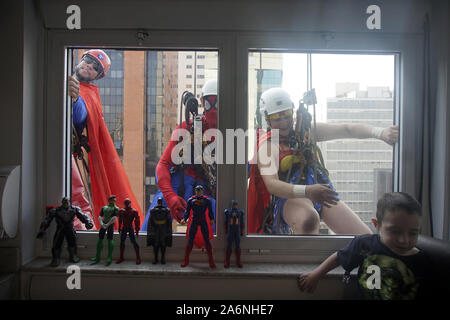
<point x="355" y="88"/>
<point x="140" y="105"/>
<point x="350" y="89"/>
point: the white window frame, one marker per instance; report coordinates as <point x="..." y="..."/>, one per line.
<point x="233" y="48"/>
<point x="408" y="63"/>
<point x="57" y="118"/>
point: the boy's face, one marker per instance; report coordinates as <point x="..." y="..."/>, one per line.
<point x="399" y="231"/>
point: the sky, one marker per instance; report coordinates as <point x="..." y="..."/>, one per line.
<point x="329" y="69"/>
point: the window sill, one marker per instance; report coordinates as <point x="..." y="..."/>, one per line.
<point x="253" y="281"/>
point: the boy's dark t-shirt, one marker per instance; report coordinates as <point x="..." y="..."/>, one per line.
<point x="401" y="277"/>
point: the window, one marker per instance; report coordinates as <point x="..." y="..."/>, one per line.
<point x="350" y="89"/>
<point x="236" y="94"/>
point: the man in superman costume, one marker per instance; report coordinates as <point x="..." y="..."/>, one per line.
<point x="176" y="182"/>
<point x="199" y="216"/>
<point x="107" y="175"/>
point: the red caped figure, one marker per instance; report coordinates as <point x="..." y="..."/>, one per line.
<point x="200" y="215"/>
<point x="107" y="175"/>
<point x="127" y="216"/>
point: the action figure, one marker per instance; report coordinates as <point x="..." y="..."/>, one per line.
<point x="234" y="229"/>
<point x="64" y="215"/>
<point x="107" y="217"/>
<point x="126" y="217"/>
<point x="198" y="212"/>
<point x="160" y="230"/>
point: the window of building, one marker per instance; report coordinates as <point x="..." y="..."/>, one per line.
<point x="122" y="110"/>
<point x="350" y="89"/>
<point x="239" y="93"/>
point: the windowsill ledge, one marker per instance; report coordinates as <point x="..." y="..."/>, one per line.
<point x="194" y="269"/>
<point x="197" y="281"/>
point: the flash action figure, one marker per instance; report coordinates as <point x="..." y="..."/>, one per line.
<point x="198" y="212"/>
<point x="63" y="216"/>
<point x="126" y="217"/>
<point x="160" y="230"/>
<point x="107" y="217"/>
<point x="234" y="229"/>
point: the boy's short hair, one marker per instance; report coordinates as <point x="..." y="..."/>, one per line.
<point x="111" y="197"/>
<point x="393" y="201"/>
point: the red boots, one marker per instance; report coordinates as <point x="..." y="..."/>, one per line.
<point x="238" y="258"/>
<point x="121" y="259"/>
<point x="227" y="259"/>
<point x="188" y="252"/>
<point x="210" y="256"/>
<point x="186" y="255"/>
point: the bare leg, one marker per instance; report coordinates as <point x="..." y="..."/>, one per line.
<point x="301" y="216"/>
<point x="342" y="220"/>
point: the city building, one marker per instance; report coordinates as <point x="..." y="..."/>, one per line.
<point x="355" y="165"/>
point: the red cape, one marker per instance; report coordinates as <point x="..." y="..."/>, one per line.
<point x="78" y="198"/>
<point x="106" y="171"/>
<point x="258" y="197"/>
<point x="198" y="239"/>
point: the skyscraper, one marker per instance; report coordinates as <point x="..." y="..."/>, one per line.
<point x="354" y="165"/>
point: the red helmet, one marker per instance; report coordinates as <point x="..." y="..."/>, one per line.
<point x="102" y="58"/>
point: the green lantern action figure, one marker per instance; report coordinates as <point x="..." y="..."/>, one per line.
<point x="108" y="215"/>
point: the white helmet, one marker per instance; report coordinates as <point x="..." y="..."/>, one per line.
<point x="209" y="88"/>
<point x="275" y="100"/>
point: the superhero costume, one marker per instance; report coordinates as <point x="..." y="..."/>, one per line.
<point x="127" y="216"/>
<point x="159" y="234"/>
<point x="107" y="174"/>
<point x="180" y="180"/>
<point x="199" y="214"/>
<point x="64" y="229"/>
<point x="106" y="214"/>
<point x="234" y="229"/>
<point x="260" y="203"/>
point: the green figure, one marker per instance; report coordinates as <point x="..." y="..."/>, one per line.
<point x="108" y="215"/>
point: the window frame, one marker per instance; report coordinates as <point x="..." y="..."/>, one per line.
<point x="57" y="173"/>
<point x="407" y="62"/>
<point x="233" y="48"/>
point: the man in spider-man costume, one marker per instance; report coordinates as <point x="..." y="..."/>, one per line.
<point x="126" y="217"/>
<point x="200" y="215"/>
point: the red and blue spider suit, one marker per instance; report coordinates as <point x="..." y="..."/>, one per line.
<point x="126" y="217"/>
<point x="234" y="229"/>
<point x="199" y="212"/>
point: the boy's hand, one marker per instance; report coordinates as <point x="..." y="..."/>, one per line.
<point x="308" y="282"/>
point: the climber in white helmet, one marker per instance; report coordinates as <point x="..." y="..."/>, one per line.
<point x="303" y="193"/>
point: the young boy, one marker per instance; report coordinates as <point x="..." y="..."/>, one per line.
<point x="390" y="266"/>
